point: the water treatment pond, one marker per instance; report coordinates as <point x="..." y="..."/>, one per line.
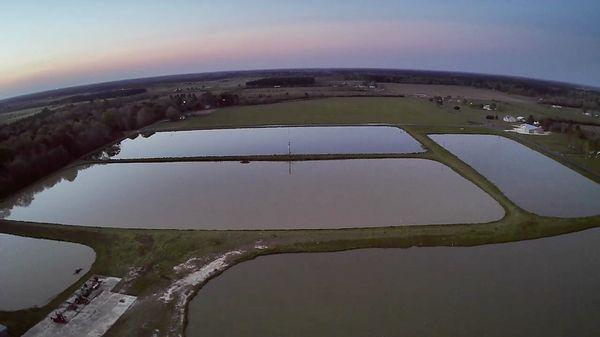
<point x="268" y="141"/>
<point x="533" y="181"/>
<point x="545" y="287"/>
<point x="34" y="271"/>
<point x="258" y="195"/>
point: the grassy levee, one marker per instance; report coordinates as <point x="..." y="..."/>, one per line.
<point x="387" y="110"/>
<point x="440" y="154"/>
<point x="116" y="251"/>
<point x="545" y="145"/>
<point x="536" y="143"/>
<point x="283" y="157"/>
<point x="155" y="252"/>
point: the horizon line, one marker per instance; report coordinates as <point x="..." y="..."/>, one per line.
<point x="258" y="70"/>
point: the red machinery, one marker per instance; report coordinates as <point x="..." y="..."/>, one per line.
<point x="59" y="318"/>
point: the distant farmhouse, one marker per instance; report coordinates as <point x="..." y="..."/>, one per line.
<point x="528" y="129"/>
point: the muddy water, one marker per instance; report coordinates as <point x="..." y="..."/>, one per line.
<point x="268" y="141"/>
<point x="258" y="195"/>
<point x="533" y="181"/>
<point x="546" y="287"/>
<point x="34" y="271"/>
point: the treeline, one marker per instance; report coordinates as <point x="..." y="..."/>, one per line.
<point x="100" y="95"/>
<point x="589" y="102"/>
<point x="550" y="92"/>
<point x="588" y="133"/>
<point x="38" y="145"/>
<point x="282" y="81"/>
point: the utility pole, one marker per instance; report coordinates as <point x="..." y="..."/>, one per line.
<point x="289" y="153"/>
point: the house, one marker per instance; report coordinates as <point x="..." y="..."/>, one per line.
<point x="509" y="119"/>
<point x="487" y="107"/>
<point x="528" y="129"/>
<point x="520" y="118"/>
<point x="557" y="106"/>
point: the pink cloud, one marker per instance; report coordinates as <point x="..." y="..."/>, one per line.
<point x="204" y="51"/>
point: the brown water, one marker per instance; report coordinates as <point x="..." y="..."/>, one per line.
<point x="34" y="271"/>
<point x="267" y="141"/>
<point x="258" y="195"/>
<point x="533" y="181"/>
<point x="547" y="287"/>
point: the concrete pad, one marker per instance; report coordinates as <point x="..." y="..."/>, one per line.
<point x="89" y="320"/>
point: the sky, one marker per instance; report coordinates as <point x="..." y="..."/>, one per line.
<point x="58" y="43"/>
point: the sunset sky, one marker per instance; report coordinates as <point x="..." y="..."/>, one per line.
<point x="58" y="43"/>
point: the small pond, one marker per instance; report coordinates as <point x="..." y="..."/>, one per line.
<point x="267" y="141"/>
<point x="546" y="287"/>
<point x="533" y="181"/>
<point x="34" y="271"/>
<point x="257" y="195"/>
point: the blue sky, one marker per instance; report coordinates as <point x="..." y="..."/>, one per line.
<point x="58" y="43"/>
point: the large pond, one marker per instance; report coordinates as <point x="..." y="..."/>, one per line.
<point x="267" y="141"/>
<point x="34" y="271"/>
<point x="258" y="195"/>
<point x="533" y="181"/>
<point x="546" y="287"/>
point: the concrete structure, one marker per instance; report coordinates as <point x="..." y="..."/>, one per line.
<point x="86" y="320"/>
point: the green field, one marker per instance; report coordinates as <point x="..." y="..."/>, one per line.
<point x="353" y="110"/>
<point x="155" y="252"/>
<point x="13" y="116"/>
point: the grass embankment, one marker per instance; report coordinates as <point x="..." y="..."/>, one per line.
<point x="405" y="112"/>
<point x="155" y="252"/>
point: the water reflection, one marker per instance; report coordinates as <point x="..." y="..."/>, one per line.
<point x="530" y="179"/>
<point x="26" y="197"/>
<point x="266" y="141"/>
<point x="33" y="271"/>
<point x="546" y="287"/>
<point x="259" y="195"/>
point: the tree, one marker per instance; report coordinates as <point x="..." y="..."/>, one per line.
<point x="145" y="116"/>
<point x="172" y="113"/>
<point x="109" y="118"/>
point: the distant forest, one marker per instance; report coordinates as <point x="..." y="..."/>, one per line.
<point x="35" y="146"/>
<point x="282" y="81"/>
<point x="553" y="93"/>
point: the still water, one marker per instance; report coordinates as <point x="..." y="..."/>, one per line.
<point x="533" y="181"/>
<point x="258" y="195"/>
<point x="268" y="141"/>
<point x="546" y="287"/>
<point x="34" y="271"/>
